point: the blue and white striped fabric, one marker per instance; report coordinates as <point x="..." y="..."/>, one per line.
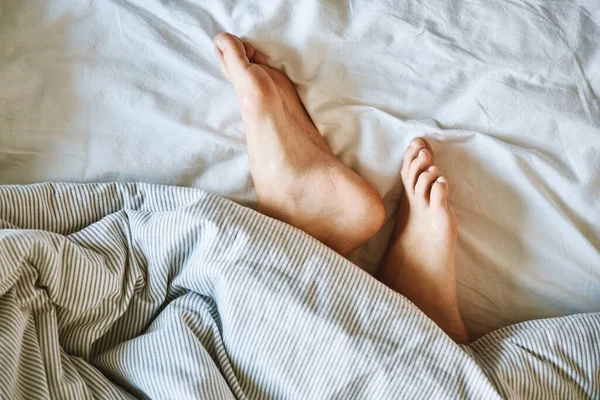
<point x="143" y="291"/>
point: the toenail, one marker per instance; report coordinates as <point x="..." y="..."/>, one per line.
<point x="441" y="179"/>
<point x="431" y="169"/>
<point x="416" y="143"/>
<point x="219" y="44"/>
<point x="422" y="153"/>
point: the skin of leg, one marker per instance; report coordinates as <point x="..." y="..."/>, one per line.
<point x="420" y="260"/>
<point x="297" y="178"/>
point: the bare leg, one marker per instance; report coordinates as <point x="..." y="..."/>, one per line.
<point x="297" y="178"/>
<point x="420" y="261"/>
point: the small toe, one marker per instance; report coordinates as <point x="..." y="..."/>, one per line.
<point x="424" y="182"/>
<point x="254" y="55"/>
<point x="260" y="58"/>
<point x="250" y="50"/>
<point x="439" y="192"/>
<point x="412" y="151"/>
<point x="430" y="149"/>
<point x="419" y="164"/>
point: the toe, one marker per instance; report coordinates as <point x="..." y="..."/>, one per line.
<point x="259" y="58"/>
<point x="221" y="60"/>
<point x="233" y="51"/>
<point x="439" y="192"/>
<point x="254" y="55"/>
<point x="424" y="182"/>
<point x="410" y="154"/>
<point x="251" y="82"/>
<point x="419" y="164"/>
<point x="428" y="147"/>
<point x="234" y="57"/>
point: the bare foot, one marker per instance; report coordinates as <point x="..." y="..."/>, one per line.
<point x="298" y="179"/>
<point x="420" y="261"/>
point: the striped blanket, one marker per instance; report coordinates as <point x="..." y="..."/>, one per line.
<point x="144" y="291"/>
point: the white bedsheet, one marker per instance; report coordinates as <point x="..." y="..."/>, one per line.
<point x="99" y="91"/>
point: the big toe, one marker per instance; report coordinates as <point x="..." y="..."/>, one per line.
<point x="439" y="192"/>
<point x="251" y="82"/>
<point x="231" y="53"/>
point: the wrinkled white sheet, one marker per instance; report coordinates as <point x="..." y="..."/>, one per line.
<point x="128" y="90"/>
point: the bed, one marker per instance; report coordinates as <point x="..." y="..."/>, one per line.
<point x="129" y="91"/>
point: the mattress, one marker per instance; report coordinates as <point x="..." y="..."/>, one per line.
<point x="129" y="91"/>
